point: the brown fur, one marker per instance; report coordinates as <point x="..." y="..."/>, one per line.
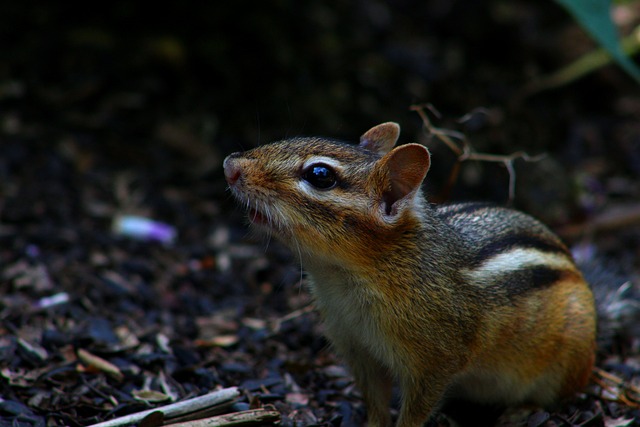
<point x="460" y="301"/>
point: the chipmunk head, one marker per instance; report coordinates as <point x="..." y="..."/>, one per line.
<point x="325" y="197"/>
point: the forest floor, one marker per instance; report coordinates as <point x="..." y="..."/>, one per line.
<point x="96" y="323"/>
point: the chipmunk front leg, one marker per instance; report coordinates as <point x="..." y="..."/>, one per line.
<point x="375" y="384"/>
<point x="420" y="398"/>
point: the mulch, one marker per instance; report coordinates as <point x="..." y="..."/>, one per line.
<point x="97" y="323"/>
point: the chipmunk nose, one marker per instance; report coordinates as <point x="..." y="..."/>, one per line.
<point x="232" y="170"/>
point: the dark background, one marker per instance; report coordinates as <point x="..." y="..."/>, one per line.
<point x="123" y="78"/>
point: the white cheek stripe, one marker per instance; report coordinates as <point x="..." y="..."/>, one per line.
<point x="519" y="258"/>
<point x="308" y="190"/>
<point x="333" y="198"/>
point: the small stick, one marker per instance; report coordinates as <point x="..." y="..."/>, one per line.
<point x="250" y="417"/>
<point x="625" y="392"/>
<point x="176" y="409"/>
<point x="444" y="135"/>
<point x="466" y="152"/>
<point x="508" y="163"/>
<point x="615" y="218"/>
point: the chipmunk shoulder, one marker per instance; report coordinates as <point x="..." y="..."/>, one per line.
<point x="463" y="301"/>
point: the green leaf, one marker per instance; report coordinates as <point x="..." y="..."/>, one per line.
<point x="595" y="17"/>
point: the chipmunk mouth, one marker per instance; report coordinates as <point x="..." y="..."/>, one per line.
<point x="265" y="220"/>
<point x="258" y="218"/>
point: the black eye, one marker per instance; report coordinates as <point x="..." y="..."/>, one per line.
<point x="320" y="176"/>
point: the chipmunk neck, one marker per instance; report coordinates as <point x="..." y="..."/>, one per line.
<point x="419" y="248"/>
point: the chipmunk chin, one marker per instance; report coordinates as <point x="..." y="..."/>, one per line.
<point x="265" y="223"/>
<point x="258" y="218"/>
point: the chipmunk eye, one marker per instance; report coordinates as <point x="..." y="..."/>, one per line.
<point x="320" y="176"/>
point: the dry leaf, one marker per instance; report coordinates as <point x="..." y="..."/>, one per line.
<point x="219" y="341"/>
<point x="100" y="364"/>
<point x="150" y="396"/>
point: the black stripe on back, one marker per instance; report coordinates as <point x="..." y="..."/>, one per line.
<point x="520" y="282"/>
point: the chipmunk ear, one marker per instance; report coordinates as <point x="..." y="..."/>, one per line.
<point x="406" y="167"/>
<point x="381" y="138"/>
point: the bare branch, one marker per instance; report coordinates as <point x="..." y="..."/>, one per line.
<point x="464" y="150"/>
<point x="617" y="389"/>
<point x="616" y="217"/>
<point x="444" y="135"/>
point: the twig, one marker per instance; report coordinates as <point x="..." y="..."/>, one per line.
<point x="464" y="151"/>
<point x="177" y="409"/>
<point x="624" y="392"/>
<point x="614" y="218"/>
<point x="443" y="134"/>
<point x="250" y="417"/>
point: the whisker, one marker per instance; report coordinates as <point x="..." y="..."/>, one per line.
<point x="297" y="245"/>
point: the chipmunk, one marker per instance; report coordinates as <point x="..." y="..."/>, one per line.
<point x="462" y="301"/>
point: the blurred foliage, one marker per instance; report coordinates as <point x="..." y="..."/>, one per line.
<point x="595" y="17"/>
